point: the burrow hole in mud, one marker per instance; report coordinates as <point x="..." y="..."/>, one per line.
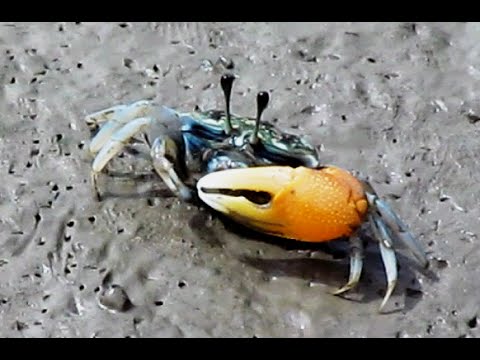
<point x="44" y="311"/>
<point x="472" y="323"/>
<point x="371" y="60"/>
<point x="71" y="223"/>
<point x="68" y="187"/>
<point x="121" y="230"/>
<point x="58" y="137"/>
<point x="41" y="241"/>
<point x="97" y="289"/>
<point x="123" y="25"/>
<point x="150" y="202"/>
<point x="67" y="238"/>
<point x="13" y="80"/>
<point x="79" y="65"/>
<point x="91" y="219"/>
<point x="158" y="303"/>
<point x="182" y="284"/>
<point x="81" y="145"/>
<point x="128" y="63"/>
<point x="394" y="141"/>
<point x="81" y="287"/>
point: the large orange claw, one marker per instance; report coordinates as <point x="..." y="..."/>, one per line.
<point x="296" y="203"/>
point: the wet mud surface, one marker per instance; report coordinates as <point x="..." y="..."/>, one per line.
<point x="398" y="102"/>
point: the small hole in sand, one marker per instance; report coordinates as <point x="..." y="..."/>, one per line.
<point x="123" y="25"/>
<point x="81" y="287"/>
<point x="79" y="65"/>
<point x="371" y="60"/>
<point x="66" y="270"/>
<point x="55" y="187"/>
<point x="29" y="164"/>
<point x="182" y="284"/>
<point x="91" y="219"/>
<point x="44" y="311"/>
<point x="58" y="137"/>
<point x="67" y="238"/>
<point x="13" y="80"/>
<point x="158" y="303"/>
<point x="97" y="289"/>
<point x="128" y="63"/>
<point x="119" y="231"/>
<point x="36" y="141"/>
<point x="68" y="187"/>
<point x="81" y="145"/>
<point x="472" y="323"/>
<point x="71" y="223"/>
<point x="394" y="141"/>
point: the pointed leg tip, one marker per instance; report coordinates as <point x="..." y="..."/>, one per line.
<point x="342" y="290"/>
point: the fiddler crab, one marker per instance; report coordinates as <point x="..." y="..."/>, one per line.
<point x="257" y="175"/>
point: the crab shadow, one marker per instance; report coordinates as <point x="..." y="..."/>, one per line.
<point x="330" y="267"/>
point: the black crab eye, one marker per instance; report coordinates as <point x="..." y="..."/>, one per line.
<point x="256" y="197"/>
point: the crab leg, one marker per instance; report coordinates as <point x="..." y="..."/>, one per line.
<point x="388" y="256"/>
<point x="356" y="264"/>
<point x="115" y="144"/>
<point x="164" y="155"/>
<point x="401" y="231"/>
<point x="115" y="117"/>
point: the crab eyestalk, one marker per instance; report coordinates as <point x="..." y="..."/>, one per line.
<point x="262" y="103"/>
<point x="227" y="82"/>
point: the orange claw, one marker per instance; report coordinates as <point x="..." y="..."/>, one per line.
<point x="304" y="204"/>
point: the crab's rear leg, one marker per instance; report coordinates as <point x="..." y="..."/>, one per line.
<point x="115" y="118"/>
<point x="356" y="265"/>
<point x="382" y="234"/>
<point x="401" y="231"/>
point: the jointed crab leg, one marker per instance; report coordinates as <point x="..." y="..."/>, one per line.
<point x="356" y="264"/>
<point x="116" y="118"/>
<point x="388" y="255"/>
<point x="401" y="231"/>
<point x="164" y="153"/>
<point x="163" y="149"/>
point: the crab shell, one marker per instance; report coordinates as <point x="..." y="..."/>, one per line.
<point x="298" y="203"/>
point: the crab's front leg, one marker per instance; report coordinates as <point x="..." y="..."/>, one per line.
<point x="113" y="119"/>
<point x="164" y="153"/>
<point x="114" y="144"/>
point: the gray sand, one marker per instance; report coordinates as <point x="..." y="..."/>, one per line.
<point x="397" y="102"/>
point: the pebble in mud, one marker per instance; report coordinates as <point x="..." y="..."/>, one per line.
<point x="114" y="298"/>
